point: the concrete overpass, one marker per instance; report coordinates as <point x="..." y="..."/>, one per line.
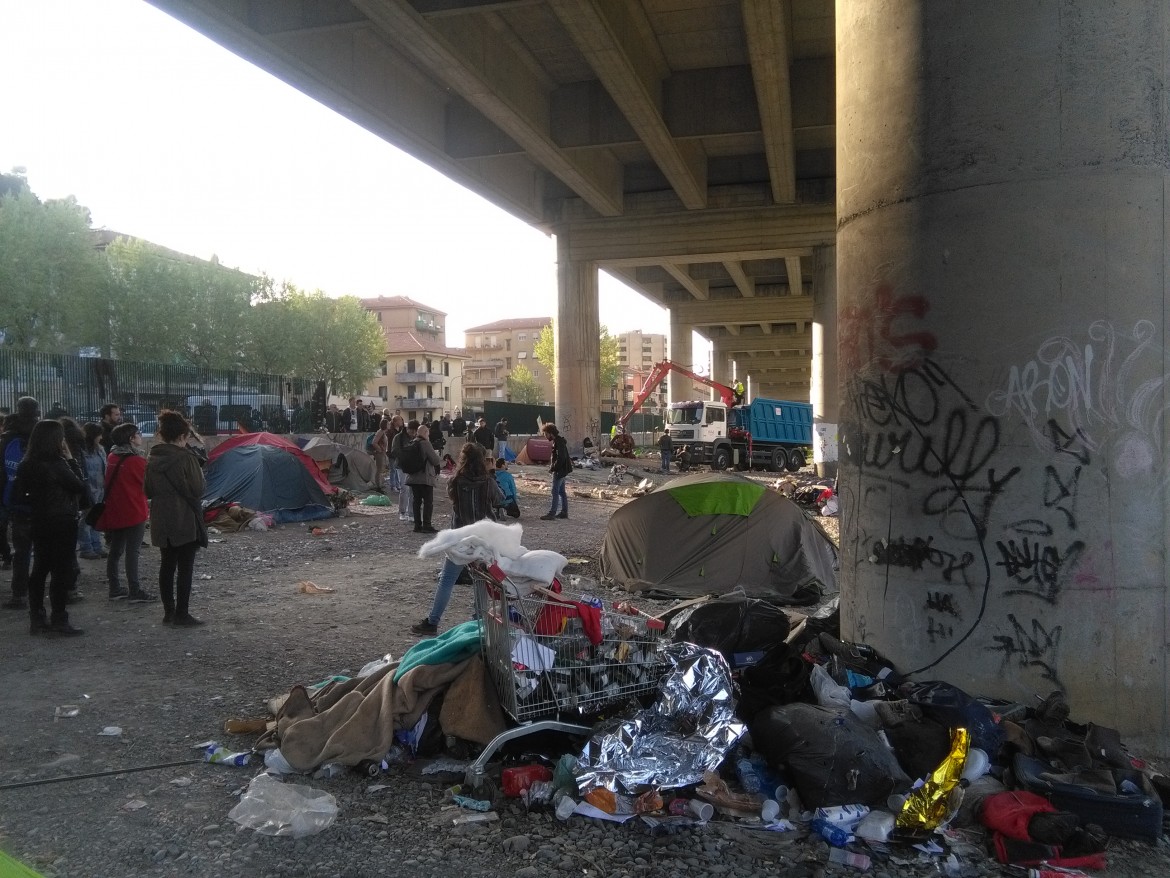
<point x="968" y="198"/>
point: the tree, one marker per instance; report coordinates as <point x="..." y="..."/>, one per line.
<point x="523" y="386"/>
<point x="342" y="342"/>
<point x="545" y="352"/>
<point x="274" y="331"/>
<point x="52" y="283"/>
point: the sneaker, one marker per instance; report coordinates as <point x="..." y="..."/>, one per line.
<point x="186" y="620"/>
<point x="403" y="517"/>
<point x="562" y="515"/>
<point x="15" y="604"/>
<point x="547" y="517"/>
<point x="425" y="627"/>
<point x="63" y="629"/>
<point x="427" y="529"/>
<point x="142" y="597"/>
<point x="116" y="594"/>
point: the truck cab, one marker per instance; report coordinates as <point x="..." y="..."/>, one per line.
<point x="696" y="421"/>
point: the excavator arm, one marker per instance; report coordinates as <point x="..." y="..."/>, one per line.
<point x="658" y="375"/>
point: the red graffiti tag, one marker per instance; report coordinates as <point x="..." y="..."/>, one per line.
<point x="870" y="336"/>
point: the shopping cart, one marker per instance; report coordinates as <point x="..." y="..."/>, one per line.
<point x="555" y="656"/>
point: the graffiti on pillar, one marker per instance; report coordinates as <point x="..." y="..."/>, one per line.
<point x="1037" y="568"/>
<point x="1033" y="648"/>
<point x="918" y="553"/>
<point x="881" y="332"/>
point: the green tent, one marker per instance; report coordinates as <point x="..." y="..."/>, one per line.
<point x="713" y="532"/>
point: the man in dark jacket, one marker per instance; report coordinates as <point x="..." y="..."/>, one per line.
<point x="501" y="434"/>
<point x="111" y="416"/>
<point x="17" y="428"/>
<point x="561" y="466"/>
<point x="458" y="425"/>
<point x="485" y="438"/>
<point x="355" y="419"/>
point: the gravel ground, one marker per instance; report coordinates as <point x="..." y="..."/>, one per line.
<point x="169" y="689"/>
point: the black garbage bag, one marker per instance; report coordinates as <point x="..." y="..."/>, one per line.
<point x="780" y="677"/>
<point x="739" y="627"/>
<point x="829" y="755"/>
<point x="952" y="707"/>
<point x="919" y="745"/>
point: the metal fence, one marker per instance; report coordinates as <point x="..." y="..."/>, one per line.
<point x="80" y="386"/>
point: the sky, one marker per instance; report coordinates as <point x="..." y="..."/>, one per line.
<point x="166" y="136"/>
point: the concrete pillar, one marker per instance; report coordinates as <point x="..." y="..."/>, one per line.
<point x="1002" y="265"/>
<point x="824" y="393"/>
<point x="578" y="347"/>
<point x="722" y="366"/>
<point x="679" y="386"/>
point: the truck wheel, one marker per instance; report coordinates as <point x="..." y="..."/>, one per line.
<point x="778" y="462"/>
<point x="722" y="458"/>
<point x="795" y="460"/>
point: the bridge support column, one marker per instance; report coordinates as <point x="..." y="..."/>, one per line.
<point x="824" y="391"/>
<point x="679" y="386"/>
<point x="1002" y="185"/>
<point x="578" y="347"/>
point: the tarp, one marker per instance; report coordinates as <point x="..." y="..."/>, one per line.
<point x="275" y="441"/>
<point x="702" y="534"/>
<point x="270" y="479"/>
<point x="350" y="468"/>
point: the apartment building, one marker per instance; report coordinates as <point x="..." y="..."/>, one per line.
<point x="420" y="374"/>
<point x="494" y="350"/>
<point x="638" y="353"/>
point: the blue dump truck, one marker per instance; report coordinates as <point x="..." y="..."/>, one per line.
<point x="771" y="433"/>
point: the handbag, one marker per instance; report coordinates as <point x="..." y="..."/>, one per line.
<point x="94" y="513"/>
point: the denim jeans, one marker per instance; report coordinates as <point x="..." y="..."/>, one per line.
<point x="558" y="492"/>
<point x="126" y="540"/>
<point x="90" y="539"/>
<point x="447" y="577"/>
<point x="405" y="499"/>
<point x="395" y="477"/>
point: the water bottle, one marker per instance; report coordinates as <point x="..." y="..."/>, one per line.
<point x="834" y="835"/>
<point x="749" y="777"/>
<point x="224" y="756"/>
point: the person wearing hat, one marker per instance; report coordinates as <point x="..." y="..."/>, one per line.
<point x="485" y="438"/>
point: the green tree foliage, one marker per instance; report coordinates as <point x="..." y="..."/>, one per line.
<point x="342" y="342"/>
<point x="52" y="282"/>
<point x="523" y="386"/>
<point x="545" y="352"/>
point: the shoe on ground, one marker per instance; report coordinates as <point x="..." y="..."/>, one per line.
<point x="15" y="604"/>
<point x="142" y="597"/>
<point x="402" y="517"/>
<point x="168" y="617"/>
<point x="427" y="529"/>
<point x="74" y="597"/>
<point x="63" y="629"/>
<point x="562" y="515"/>
<point x="418" y="528"/>
<point x="37" y="627"/>
<point x="425" y="627"/>
<point x="186" y="621"/>
<point x="547" y="517"/>
<point x="116" y="594"/>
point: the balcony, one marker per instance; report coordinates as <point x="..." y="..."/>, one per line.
<point x="420" y="403"/>
<point x="427" y="326"/>
<point x="419" y="377"/>
<point x="484" y="363"/>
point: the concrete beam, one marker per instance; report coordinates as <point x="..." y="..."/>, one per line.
<point x="708" y="236"/>
<point x="720" y="312"/>
<point x="746" y="287"/>
<point x="697" y="288"/>
<point x="619" y="45"/>
<point x="795" y="283"/>
<point x="494" y="79"/>
<point x="766" y="24"/>
<point x="732" y="328"/>
<point x="766" y="328"/>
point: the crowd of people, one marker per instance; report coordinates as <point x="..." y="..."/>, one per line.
<point x="70" y="492"/>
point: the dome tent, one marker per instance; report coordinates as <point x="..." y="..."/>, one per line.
<point x="269" y="474"/>
<point x="710" y="533"/>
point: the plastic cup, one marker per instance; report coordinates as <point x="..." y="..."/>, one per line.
<point x="703" y="811"/>
<point x="769" y="811"/>
<point x="565" y="808"/>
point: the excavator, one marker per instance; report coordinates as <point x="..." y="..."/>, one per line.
<point x="623" y="442"/>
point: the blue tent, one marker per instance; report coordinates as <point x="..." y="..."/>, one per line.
<point x="269" y="479"/>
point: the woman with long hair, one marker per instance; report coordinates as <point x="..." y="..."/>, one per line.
<point x="50" y="483"/>
<point x="474" y="495"/>
<point x="561" y="466"/>
<point x="397" y="425"/>
<point x="94" y="467"/>
<point x="126" y="512"/>
<point x="174" y="484"/>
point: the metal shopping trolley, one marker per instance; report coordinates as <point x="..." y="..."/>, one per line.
<point x="555" y="656"/>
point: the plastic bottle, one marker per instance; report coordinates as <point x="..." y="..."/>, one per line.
<point x="516" y="780"/>
<point x="834" y="835"/>
<point x="749" y="777"/>
<point x="848" y="858"/>
<point x="275" y="762"/>
<point x="224" y="756"/>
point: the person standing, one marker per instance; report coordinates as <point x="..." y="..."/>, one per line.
<point x="405" y="435"/>
<point x="396" y="427"/>
<point x="18" y="427"/>
<point x="380" y="446"/>
<point x="111" y="416"/>
<point x="666" y="449"/>
<point x="422" y="483"/>
<point x="124" y="517"/>
<point x="445" y="424"/>
<point x="49" y="482"/>
<point x="95" y="476"/>
<point x="484" y="437"/>
<point x="354" y="419"/>
<point x="561" y="466"/>
<point x="174" y="484"/>
<point x="474" y="494"/>
<point x="458" y="425"/>
<point x="501" y="433"/>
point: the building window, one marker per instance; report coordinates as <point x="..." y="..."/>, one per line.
<point x="509" y="362"/>
<point x="523" y="336"/>
<point x="379" y="316"/>
<point x="493" y="342"/>
<point x="429" y="366"/>
<point x="523" y="355"/>
<point x="410" y="391"/>
<point x="446" y="370"/>
<point x="447" y="393"/>
<point x="410" y="365"/>
<point x="382" y="393"/>
<point x="384" y="368"/>
<point x="479" y="341"/>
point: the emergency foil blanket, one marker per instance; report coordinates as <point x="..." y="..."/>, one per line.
<point x="688" y="731"/>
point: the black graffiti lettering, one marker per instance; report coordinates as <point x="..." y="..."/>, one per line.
<point x="1062" y="495"/>
<point x="947" y="500"/>
<point x="1035" y="650"/>
<point x="938" y="631"/>
<point x="942" y="602"/>
<point x="1040" y="566"/>
<point x="1032" y="527"/>
<point x="1062" y="442"/>
<point x="918" y="553"/>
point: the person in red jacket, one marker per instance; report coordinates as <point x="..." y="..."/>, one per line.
<point x="126" y="512"/>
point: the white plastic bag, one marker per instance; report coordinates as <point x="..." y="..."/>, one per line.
<point x="827" y="690"/>
<point x="274" y="808"/>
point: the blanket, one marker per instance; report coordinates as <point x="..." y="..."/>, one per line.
<point x="453" y="645"/>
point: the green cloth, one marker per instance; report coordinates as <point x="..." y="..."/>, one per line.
<point x="718" y="498"/>
<point x="11" y="868"/>
<point x="453" y="645"/>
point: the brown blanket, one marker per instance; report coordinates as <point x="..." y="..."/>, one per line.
<point x="355" y="720"/>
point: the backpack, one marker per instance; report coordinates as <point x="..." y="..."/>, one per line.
<point x="13" y="454"/>
<point x="411" y="459"/>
